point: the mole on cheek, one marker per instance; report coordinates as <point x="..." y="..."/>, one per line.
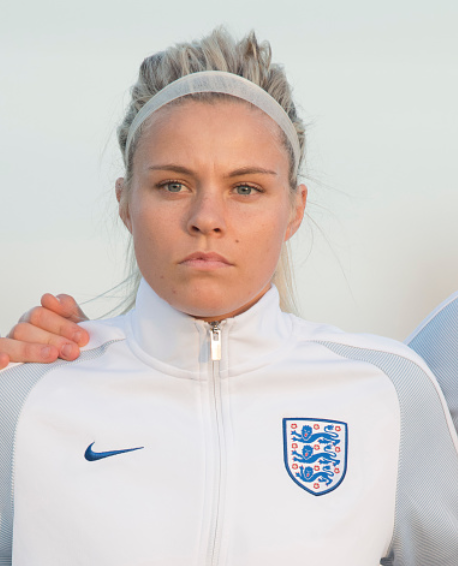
<point x="236" y="241"/>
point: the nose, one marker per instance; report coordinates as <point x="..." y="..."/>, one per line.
<point x="207" y="215"/>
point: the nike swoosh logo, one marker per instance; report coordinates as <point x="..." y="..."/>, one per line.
<point x="91" y="456"/>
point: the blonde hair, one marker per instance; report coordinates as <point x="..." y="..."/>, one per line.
<point x="219" y="51"/>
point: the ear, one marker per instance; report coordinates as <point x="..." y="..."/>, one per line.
<point x="298" y="211"/>
<point x="121" y="197"/>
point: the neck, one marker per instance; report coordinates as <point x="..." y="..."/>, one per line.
<point x="231" y="314"/>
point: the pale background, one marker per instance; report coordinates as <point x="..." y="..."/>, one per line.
<point x="377" y="83"/>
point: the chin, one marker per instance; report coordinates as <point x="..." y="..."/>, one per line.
<point x="205" y="306"/>
<point x="207" y="297"/>
<point x="205" y="300"/>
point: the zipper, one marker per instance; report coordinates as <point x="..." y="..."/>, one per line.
<point x="216" y="409"/>
<point x="215" y="341"/>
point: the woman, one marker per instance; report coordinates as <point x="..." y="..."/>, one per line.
<point x="207" y="425"/>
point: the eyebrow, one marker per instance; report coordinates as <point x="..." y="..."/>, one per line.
<point x="251" y="171"/>
<point x="171" y="167"/>
<point x="235" y="173"/>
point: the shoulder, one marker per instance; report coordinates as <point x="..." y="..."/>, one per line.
<point x="407" y="371"/>
<point x="416" y="386"/>
<point x="351" y="344"/>
<point x="104" y="331"/>
<point x="102" y="334"/>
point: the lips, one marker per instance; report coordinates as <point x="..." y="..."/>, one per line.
<point x="205" y="260"/>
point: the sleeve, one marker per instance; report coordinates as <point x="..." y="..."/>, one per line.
<point x="426" y="517"/>
<point x="16" y="382"/>
<point x="426" y="511"/>
<point x="436" y="341"/>
<point x="13" y="390"/>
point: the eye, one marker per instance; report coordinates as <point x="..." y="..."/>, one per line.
<point x="246" y="190"/>
<point x="173" y="187"/>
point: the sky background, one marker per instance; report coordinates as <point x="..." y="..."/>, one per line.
<point x="377" y="84"/>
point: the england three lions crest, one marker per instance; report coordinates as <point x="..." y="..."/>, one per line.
<point x="315" y="453"/>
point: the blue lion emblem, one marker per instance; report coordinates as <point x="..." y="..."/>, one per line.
<point x="307" y="475"/>
<point x="326" y="437"/>
<point x="315" y="453"/>
<point x="307" y="456"/>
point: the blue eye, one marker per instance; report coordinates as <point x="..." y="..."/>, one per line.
<point x="173" y="187"/>
<point x="245" y="190"/>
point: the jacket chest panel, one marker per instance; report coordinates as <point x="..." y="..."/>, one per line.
<point x="274" y="520"/>
<point x="209" y="471"/>
<point x="142" y="487"/>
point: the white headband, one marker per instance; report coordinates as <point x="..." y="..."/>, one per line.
<point x="224" y="83"/>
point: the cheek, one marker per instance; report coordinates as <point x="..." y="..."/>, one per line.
<point x="150" y="233"/>
<point x="262" y="239"/>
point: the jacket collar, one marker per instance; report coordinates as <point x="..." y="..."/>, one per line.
<point x="163" y="336"/>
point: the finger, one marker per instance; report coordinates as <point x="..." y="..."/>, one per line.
<point x="70" y="308"/>
<point x="18" y="351"/>
<point x="28" y="333"/>
<point x="4" y="360"/>
<point x="52" y="303"/>
<point x="52" y="323"/>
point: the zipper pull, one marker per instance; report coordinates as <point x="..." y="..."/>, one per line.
<point x="215" y="341"/>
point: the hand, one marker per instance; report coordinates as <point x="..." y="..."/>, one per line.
<point x="46" y="333"/>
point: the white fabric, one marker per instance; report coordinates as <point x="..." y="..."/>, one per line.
<point x="209" y="484"/>
<point x="224" y="83"/>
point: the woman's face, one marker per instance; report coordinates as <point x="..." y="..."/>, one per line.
<point x="210" y="206"/>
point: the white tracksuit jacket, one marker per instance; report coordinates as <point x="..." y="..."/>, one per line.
<point x="302" y="445"/>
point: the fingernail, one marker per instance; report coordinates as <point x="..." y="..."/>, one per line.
<point x="66" y="351"/>
<point x="77" y="337"/>
<point x="46" y="352"/>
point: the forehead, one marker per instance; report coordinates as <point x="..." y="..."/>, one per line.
<point x="228" y="128"/>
